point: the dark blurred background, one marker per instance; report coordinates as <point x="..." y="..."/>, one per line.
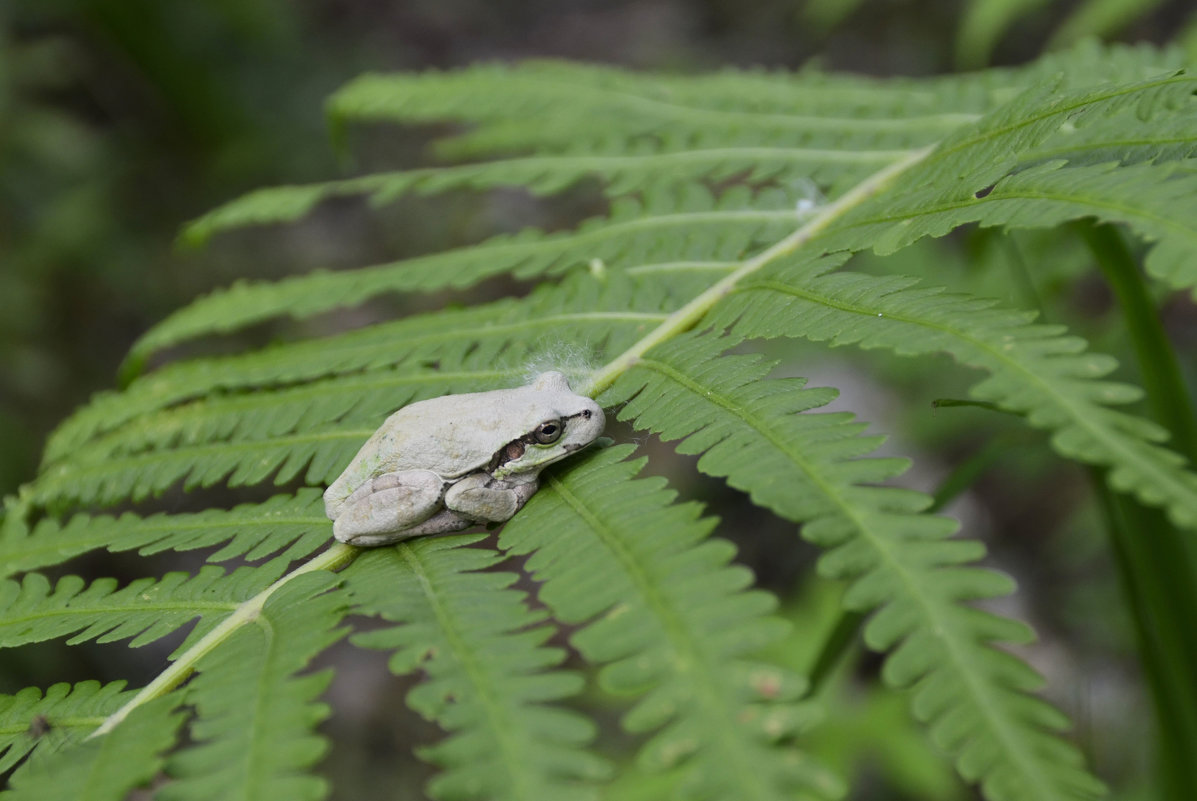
<point x="122" y="119"/>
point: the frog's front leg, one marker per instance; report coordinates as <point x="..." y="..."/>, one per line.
<point x="486" y="499"/>
<point x="387" y="508"/>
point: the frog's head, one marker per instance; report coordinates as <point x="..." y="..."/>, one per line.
<point x="565" y="422"/>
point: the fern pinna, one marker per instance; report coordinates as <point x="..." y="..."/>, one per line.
<point x="735" y="200"/>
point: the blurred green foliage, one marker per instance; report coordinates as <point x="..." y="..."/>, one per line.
<point x="120" y="120"/>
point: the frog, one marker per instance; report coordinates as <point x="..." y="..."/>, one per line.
<point x="446" y="464"/>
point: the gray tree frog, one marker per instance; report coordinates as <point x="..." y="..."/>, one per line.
<point x="448" y="463"/>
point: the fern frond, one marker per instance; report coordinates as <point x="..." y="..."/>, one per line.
<point x="671" y="621"/>
<point x="353" y="400"/>
<point x="145" y="609"/>
<point x="1158" y="202"/>
<point x="121" y="466"/>
<point x="546" y="175"/>
<point x="1162" y="139"/>
<point x="255" y="717"/>
<point x="548" y="107"/>
<point x="64" y="714"/>
<point x="427" y="339"/>
<point x="1034" y="369"/>
<point x="1050" y="111"/>
<point x="987" y="150"/>
<point x="903" y="567"/>
<point x="587" y="312"/>
<point x="1000" y="173"/>
<point x="627" y="173"/>
<point x="489" y="674"/>
<point x="668" y="223"/>
<point x="106" y="769"/>
<point x="348" y="400"/>
<point x="295" y="526"/>
<point x="98" y="479"/>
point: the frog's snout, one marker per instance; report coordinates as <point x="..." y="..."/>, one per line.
<point x="585" y="427"/>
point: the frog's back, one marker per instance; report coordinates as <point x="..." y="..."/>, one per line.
<point x="453" y="435"/>
<point x="451" y="438"/>
<point x="429" y="435"/>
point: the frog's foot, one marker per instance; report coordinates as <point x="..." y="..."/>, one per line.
<point x="487" y="500"/>
<point x="443" y="522"/>
<point x="387" y="508"/>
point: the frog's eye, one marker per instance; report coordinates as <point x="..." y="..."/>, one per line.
<point x="548" y="432"/>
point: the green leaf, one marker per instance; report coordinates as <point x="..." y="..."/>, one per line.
<point x="104" y="769"/>
<point x="1035" y="370"/>
<point x="63" y="715"/>
<point x="585" y="313"/>
<point x="145" y="609"/>
<point x="542" y="175"/>
<point x="1051" y="156"/>
<point x="903" y="567"/>
<point x="666" y="224"/>
<point x="672" y="622"/>
<point x="295" y="526"/>
<point x="255" y="723"/>
<point x="489" y="676"/>
<point x="551" y="107"/>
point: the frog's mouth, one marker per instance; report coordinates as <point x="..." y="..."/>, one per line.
<point x="514" y="451"/>
<point x="508" y="453"/>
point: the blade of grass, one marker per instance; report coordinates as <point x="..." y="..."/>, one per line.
<point x="1157" y="583"/>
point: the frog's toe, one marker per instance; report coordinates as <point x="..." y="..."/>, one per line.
<point x="354" y="530"/>
<point x="367" y="540"/>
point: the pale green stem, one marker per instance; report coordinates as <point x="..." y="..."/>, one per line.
<point x="334" y="558"/>
<point x="688" y="316"/>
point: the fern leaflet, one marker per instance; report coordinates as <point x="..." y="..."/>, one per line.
<point x="807" y="467"/>
<point x="144" y="609"/>
<point x="106" y="769"/>
<point x="1034" y="370"/>
<point x="294" y="526"/>
<point x="254" y="717"/>
<point x="63" y="714"/>
<point x="489" y="674"/>
<point x="672" y="622"/>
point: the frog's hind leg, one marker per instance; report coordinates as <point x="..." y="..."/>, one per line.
<point x="443" y="522"/>
<point x="387" y="508"/>
<point x="487" y="499"/>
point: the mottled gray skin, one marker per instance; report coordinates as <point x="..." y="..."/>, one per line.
<point x="452" y="462"/>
